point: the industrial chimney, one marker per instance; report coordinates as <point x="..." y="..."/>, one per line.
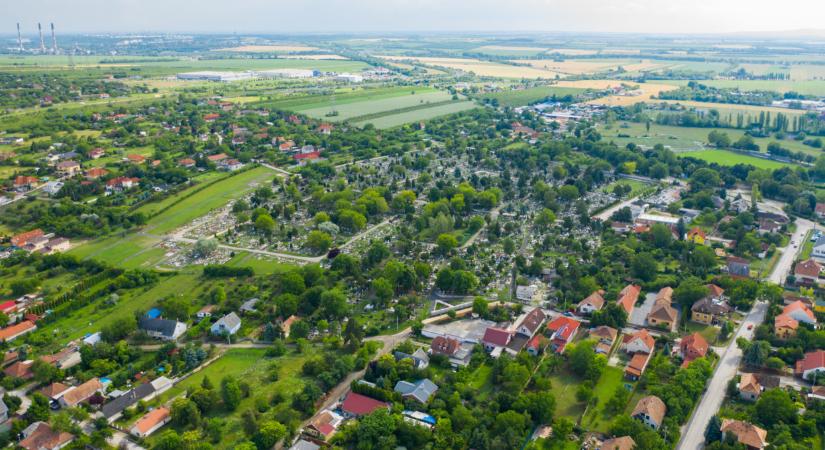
<point x="54" y="40"/>
<point x="42" y="44"/>
<point x="19" y="38"/>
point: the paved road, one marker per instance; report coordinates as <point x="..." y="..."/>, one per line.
<point x="693" y="436"/>
<point x="604" y="215"/>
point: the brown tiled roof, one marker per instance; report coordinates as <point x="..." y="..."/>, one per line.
<point x="812" y="360"/>
<point x="663" y="311"/>
<point x="444" y="346"/>
<point x="715" y="291"/>
<point x="594" y="299"/>
<point x="53" y="390"/>
<point x="666" y="293"/>
<point x="746" y="433"/>
<point x="708" y="306"/>
<point x="628" y="296"/>
<point x="749" y="384"/>
<point x="619" y="443"/>
<point x="652" y="406"/>
<point x="151" y="419"/>
<point x="604" y="332"/>
<point x="82" y="392"/>
<point x="785" y="321"/>
<point x="44" y="437"/>
<point x="533" y="320"/>
<point x="808" y="268"/>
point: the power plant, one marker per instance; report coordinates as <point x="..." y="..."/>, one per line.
<point x="43" y="49"/>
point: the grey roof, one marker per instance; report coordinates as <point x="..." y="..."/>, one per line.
<point x="249" y="305"/>
<point x="229" y="321"/>
<point x="421" y="390"/>
<point x="419" y="357"/>
<point x="819" y="242"/>
<point x="126" y="400"/>
<point x="3" y="408"/>
<point x="164" y="326"/>
<point x="304" y="445"/>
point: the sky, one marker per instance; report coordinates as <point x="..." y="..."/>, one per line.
<point x="385" y="16"/>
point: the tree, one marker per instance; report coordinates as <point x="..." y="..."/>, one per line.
<point x="545" y="218"/>
<point x="514" y="377"/>
<point x="318" y="241"/>
<point x="757" y="353"/>
<point x="230" y="393"/>
<point x="445" y="243"/>
<point x="644" y="266"/>
<point x="480" y="306"/>
<point x="775" y="406"/>
<point x="689" y="291"/>
<point x="383" y="290"/>
<point x="269" y="433"/>
<point x="713" y="432"/>
<point x="333" y="304"/>
<point x="584" y="362"/>
<point x="39" y="409"/>
<point x="46" y="373"/>
<point x="265" y="224"/>
<point x="204" y="247"/>
<point x="185" y="413"/>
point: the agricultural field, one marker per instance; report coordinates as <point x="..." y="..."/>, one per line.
<point x="586" y="66"/>
<point x="729" y="158"/>
<point x="527" y="96"/>
<point x="395" y="118"/>
<point x="648" y="91"/>
<point x="367" y="105"/>
<point x="810" y="87"/>
<point x="481" y="68"/>
<point x="283" y="48"/>
<point x="506" y="50"/>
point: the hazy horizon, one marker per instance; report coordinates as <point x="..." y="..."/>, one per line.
<point x="412" y="16"/>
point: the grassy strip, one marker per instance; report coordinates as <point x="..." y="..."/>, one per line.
<point x="391" y="112"/>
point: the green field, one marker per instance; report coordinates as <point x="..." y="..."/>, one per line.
<point x="368" y="105"/>
<point x="526" y="96"/>
<point x="808" y="87"/>
<point x="396" y="119"/>
<point x="682" y="139"/>
<point x="596" y="418"/>
<point x="137" y="249"/>
<point x="729" y="158"/>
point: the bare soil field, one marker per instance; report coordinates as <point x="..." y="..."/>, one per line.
<point x="481" y="68"/>
<point x="315" y="57"/>
<point x="648" y="91"/>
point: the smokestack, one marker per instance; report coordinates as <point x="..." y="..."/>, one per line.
<point x="54" y="40"/>
<point x="42" y="44"/>
<point x="19" y="38"/>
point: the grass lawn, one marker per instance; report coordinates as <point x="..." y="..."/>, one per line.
<point x="372" y="105"/>
<point x="393" y="120"/>
<point x="262" y="265"/>
<point x="709" y="332"/>
<point x="636" y="186"/>
<point x="812" y="87"/>
<point x="526" y="96"/>
<point x="765" y="266"/>
<point x="596" y="418"/>
<point x="729" y="158"/>
<point x="807" y="247"/>
<point x="564" y="388"/>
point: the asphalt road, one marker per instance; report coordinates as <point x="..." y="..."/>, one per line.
<point x="693" y="434"/>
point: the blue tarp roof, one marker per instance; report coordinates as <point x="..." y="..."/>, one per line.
<point x="153" y="313"/>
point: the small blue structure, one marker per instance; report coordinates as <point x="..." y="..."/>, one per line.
<point x="153" y="313"/>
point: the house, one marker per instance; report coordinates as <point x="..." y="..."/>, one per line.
<point x="527" y="293"/>
<point x="357" y="405"/>
<point x="419" y="358"/>
<point x="807" y="272"/>
<point x="205" y="312"/>
<point x="817" y="393"/>
<point x="211" y="117"/>
<point x="746" y="433"/>
<point x="64" y="359"/>
<point x="217" y="158"/>
<point x="120" y="184"/>
<point x="96" y="153"/>
<point x="800" y="312"/>
<point x="459" y="353"/>
<point x="22" y="239"/>
<point x="114" y="408"/>
<point x="737" y="266"/>
<point x="78" y="394"/>
<point x="231" y="165"/>
<point x="186" y="162"/>
<point x="605" y="336"/>
<point x="818" y="250"/>
<point x="20" y="369"/>
<point x="697" y="236"/>
<point x="496" y="338"/>
<point x="819" y="210"/>
<point x="96" y="172"/>
<point x="24" y="183"/>
<point x="420" y="391"/>
<point x="165" y="329"/>
<point x="303" y="444"/>
<point x="226" y="325"/>
<point x="619" y="443"/>
<point x="4" y="412"/>
<point x="650" y="410"/>
<point x="749" y="387"/>
<point x="531" y="323"/>
<point x="785" y="326"/>
<point x="812" y="363"/>
<point x="53" y="187"/>
<point x="54" y="391"/>
<point x="593" y="302"/>
<point x="325" y="128"/>
<point x="640" y="341"/>
<point x="715" y="292"/>
<point x="302" y="158"/>
<point x="637" y="365"/>
<point x="662" y="314"/>
<point x="68" y="168"/>
<point x="628" y="297"/>
<point x="151" y="422"/>
<point x="324" y="424"/>
<point x="691" y="347"/>
<point x="13" y="331"/>
<point x="250" y="305"/>
<point x="563" y="331"/>
<point x="136" y="159"/>
<point x="709" y="311"/>
<point x="41" y="436"/>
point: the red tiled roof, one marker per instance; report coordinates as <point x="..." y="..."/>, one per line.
<point x="444" y="346"/>
<point x="152" y="419"/>
<point x="785" y="321"/>
<point x="12" y="331"/>
<point x="799" y="305"/>
<point x="628" y="296"/>
<point x="715" y="291"/>
<point x="23" y="238"/>
<point x="360" y="405"/>
<point x="496" y="336"/>
<point x="812" y="360"/>
<point x="808" y="268"/>
<point x="310" y="155"/>
<point x="565" y="326"/>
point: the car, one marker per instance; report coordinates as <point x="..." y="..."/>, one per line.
<point x="750" y="326"/>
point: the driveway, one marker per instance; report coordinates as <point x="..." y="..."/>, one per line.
<point x="639" y="314"/>
<point x="789" y="253"/>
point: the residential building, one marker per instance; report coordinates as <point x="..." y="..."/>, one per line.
<point x="421" y="390"/>
<point x="24" y="183"/>
<point x="750" y="435"/>
<point x="812" y="363"/>
<point x="618" y="443"/>
<point x="54" y="391"/>
<point x="817" y="393"/>
<point x="709" y="311"/>
<point x="662" y="314"/>
<point x="226" y="325"/>
<point x="784" y="326"/>
<point x="820" y="210"/>
<point x="303" y="444"/>
<point x="135" y="159"/>
<point x="96" y="172"/>
<point x="205" y="312"/>
<point x="715" y="292"/>
<point x="12" y="332"/>
<point x="151" y="422"/>
<point x="459" y="353"/>
<point x="800" y="312"/>
<point x="250" y="305"/>
<point x="419" y="358"/>
<point x="637" y="365"/>
<point x="168" y="330"/>
<point x="41" y="436"/>
<point x="650" y="410"/>
<point x="605" y="337"/>
<point x="691" y="347"/>
<point x="640" y="341"/>
<point x="563" y="330"/>
<point x="527" y="293"/>
<point x="20" y="369"/>
<point x="749" y="387"/>
<point x="78" y="394"/>
<point x="496" y="338"/>
<point x="531" y="322"/>
<point x="53" y="187"/>
<point x="20" y="240"/>
<point x="807" y="272"/>
<point x="697" y="236"/>
<point x="738" y="266"/>
<point x="593" y="302"/>
<point x="818" y="249"/>
<point x="120" y="184"/>
<point x="324" y="424"/>
<point x="357" y="405"/>
<point x="4" y="412"/>
<point x="628" y="297"/>
<point x="68" y="168"/>
<point x="64" y="359"/>
<point x="113" y="409"/>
